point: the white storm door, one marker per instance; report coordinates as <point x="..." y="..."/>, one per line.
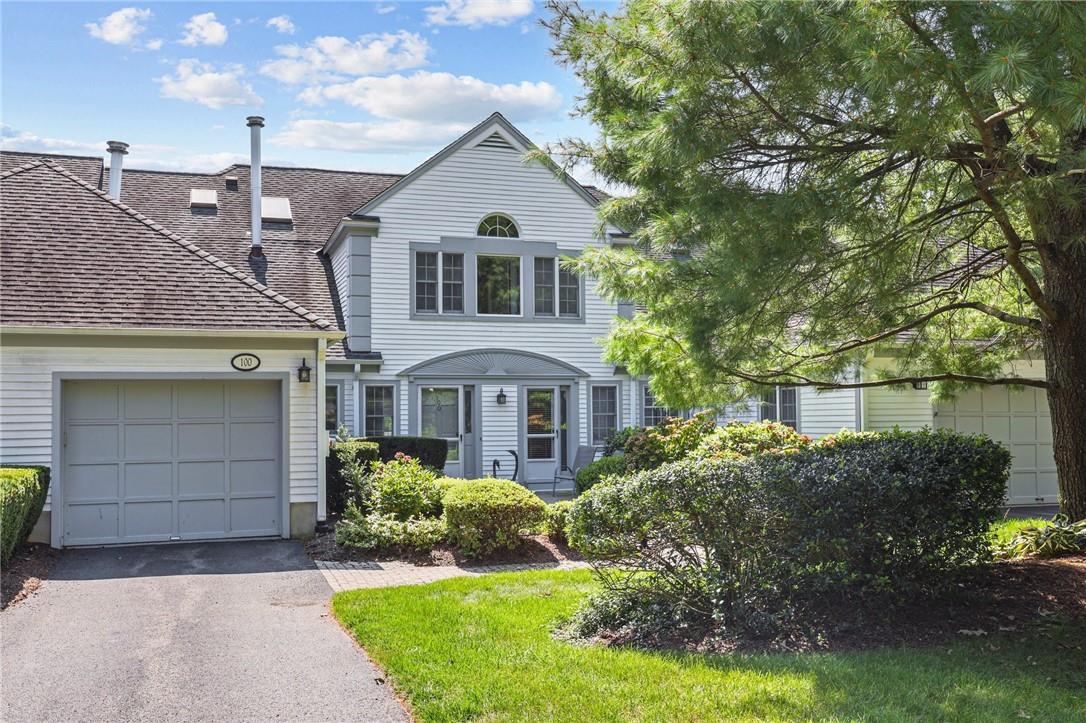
<point x="441" y="415"/>
<point x="541" y="433"/>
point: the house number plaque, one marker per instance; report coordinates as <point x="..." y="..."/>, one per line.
<point x="245" y="362"/>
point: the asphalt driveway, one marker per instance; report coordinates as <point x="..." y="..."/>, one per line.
<point x="228" y="631"/>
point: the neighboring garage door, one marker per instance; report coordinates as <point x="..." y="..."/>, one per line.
<point x="1018" y="419"/>
<point x="148" y="461"/>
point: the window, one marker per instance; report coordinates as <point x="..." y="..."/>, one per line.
<point x="498" y="280"/>
<point x="653" y="413"/>
<point x="379" y="417"/>
<point x="604" y="413"/>
<point x="452" y="283"/>
<point x="498" y="226"/>
<point x="780" y="404"/>
<point x="426" y="281"/>
<point x="544" y="286"/>
<point x="569" y="291"/>
<point x="331" y="407"/>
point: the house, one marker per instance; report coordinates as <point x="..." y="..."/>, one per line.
<point x="177" y="347"/>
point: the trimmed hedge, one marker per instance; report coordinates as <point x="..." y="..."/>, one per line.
<point x="489" y="514"/>
<point x="339" y="486"/>
<point x="749" y="543"/>
<point x="555" y="520"/>
<point x="430" y="451"/>
<point x="590" y="475"/>
<point x="22" y="497"/>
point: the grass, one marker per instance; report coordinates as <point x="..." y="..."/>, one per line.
<point x="1004" y="531"/>
<point x="481" y="649"/>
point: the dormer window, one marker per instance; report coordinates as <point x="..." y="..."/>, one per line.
<point x="499" y="226"/>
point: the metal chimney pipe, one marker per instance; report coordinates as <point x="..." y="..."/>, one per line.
<point x="255" y="123"/>
<point x="117" y="152"/>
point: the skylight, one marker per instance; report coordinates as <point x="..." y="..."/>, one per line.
<point x="275" y="209"/>
<point x="203" y="198"/>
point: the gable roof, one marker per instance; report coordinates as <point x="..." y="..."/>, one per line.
<point x="116" y="269"/>
<point x="495" y="119"/>
<point x="89" y="168"/>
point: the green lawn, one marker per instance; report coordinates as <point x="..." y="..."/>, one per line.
<point x="481" y="649"/>
<point x="1005" y="530"/>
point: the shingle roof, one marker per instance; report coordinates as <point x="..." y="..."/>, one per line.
<point x="597" y="193"/>
<point x="72" y="257"/>
<point x="319" y="199"/>
<point x="88" y="168"/>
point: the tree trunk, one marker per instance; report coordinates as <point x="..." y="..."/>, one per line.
<point x="1065" y="362"/>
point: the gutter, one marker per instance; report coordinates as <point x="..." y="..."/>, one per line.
<point x="175" y="332"/>
<point x="364" y="225"/>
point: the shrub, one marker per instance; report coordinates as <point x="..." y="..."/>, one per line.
<point x="650" y="447"/>
<point x="22" y="496"/>
<point x="555" y="519"/>
<point x="429" y="451"/>
<point x="750" y="543"/>
<point x="589" y="475"/>
<point x="489" y="514"/>
<point x="616" y="440"/>
<point x="377" y="531"/>
<point x="739" y="439"/>
<point x="1052" y="539"/>
<point x="403" y="488"/>
<point x="348" y="468"/>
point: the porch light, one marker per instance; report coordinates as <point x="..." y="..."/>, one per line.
<point x="919" y="386"/>
<point x="501" y="395"/>
<point x="303" y="372"/>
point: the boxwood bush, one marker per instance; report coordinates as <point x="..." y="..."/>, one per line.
<point x="589" y="475"/>
<point x="403" y="488"/>
<point x="430" y="451"/>
<point x="489" y="514"/>
<point x="555" y="520"/>
<point x="348" y="461"/>
<point x="750" y="543"/>
<point x="22" y="496"/>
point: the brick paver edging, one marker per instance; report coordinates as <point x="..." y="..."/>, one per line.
<point x="357" y="575"/>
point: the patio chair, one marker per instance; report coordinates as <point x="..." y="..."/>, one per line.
<point x="585" y="454"/>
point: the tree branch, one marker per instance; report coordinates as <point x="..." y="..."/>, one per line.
<point x="797" y="380"/>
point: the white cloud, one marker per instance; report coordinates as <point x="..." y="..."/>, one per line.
<point x="282" y="24"/>
<point x="385" y="9"/>
<point x="477" y="13"/>
<point x="381" y="137"/>
<point x="15" y="140"/>
<point x="198" y="82"/>
<point x="204" y="29"/>
<point x="440" y="97"/>
<point x="121" y="27"/>
<point x="330" y="57"/>
<point x="154" y="44"/>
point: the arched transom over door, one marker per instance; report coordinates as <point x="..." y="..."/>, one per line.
<point x="495" y="363"/>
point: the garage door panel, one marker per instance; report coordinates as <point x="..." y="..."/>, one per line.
<point x="201" y="516"/>
<point x="254" y="439"/>
<point x="177" y="460"/>
<point x="91" y="400"/>
<point x="1022" y="487"/>
<point x="998" y="428"/>
<point x="1024" y="429"/>
<point x="92" y="522"/>
<point x="93" y="482"/>
<point x="1025" y="455"/>
<point x="148" y="400"/>
<point x="92" y="443"/>
<point x="255" y="514"/>
<point x="254" y="476"/>
<point x="1048" y="485"/>
<point x="201" y="478"/>
<point x="148" y="441"/>
<point x="202" y="440"/>
<point x="150" y="479"/>
<point x="143" y="519"/>
<point x="1025" y="401"/>
<point x="971" y="424"/>
<point x="995" y="400"/>
<point x="201" y="400"/>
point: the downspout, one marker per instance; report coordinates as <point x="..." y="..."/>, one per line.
<point x="322" y="433"/>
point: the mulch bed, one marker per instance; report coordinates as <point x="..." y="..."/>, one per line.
<point x="538" y="549"/>
<point x="1001" y="599"/>
<point x="23" y="574"/>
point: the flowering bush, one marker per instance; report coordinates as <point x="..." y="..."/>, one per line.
<point x="403" y="488"/>
<point x="744" y="440"/>
<point x="650" y="447"/>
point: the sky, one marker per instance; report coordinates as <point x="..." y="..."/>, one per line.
<point x="374" y="86"/>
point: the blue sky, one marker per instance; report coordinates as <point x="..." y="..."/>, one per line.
<point x="368" y="86"/>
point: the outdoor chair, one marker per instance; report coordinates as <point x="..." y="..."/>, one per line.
<point x="585" y="454"/>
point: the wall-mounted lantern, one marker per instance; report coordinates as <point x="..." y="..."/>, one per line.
<point x="920" y="386"/>
<point x="501" y="396"/>
<point x="303" y="372"/>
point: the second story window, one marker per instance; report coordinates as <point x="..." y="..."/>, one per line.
<point x="553" y="282"/>
<point x="439" y="282"/>
<point x="498" y="285"/>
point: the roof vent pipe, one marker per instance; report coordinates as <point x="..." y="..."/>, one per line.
<point x="117" y="152"/>
<point x="255" y="123"/>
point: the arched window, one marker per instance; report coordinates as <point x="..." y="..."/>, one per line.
<point x="498" y="225"/>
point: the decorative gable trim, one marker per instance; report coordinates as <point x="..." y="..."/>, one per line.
<point x="494" y="363"/>
<point x="495" y="140"/>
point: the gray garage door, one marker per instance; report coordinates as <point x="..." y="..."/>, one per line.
<point x="148" y="461"/>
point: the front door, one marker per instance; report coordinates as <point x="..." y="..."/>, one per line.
<point x="441" y="415"/>
<point x="541" y="431"/>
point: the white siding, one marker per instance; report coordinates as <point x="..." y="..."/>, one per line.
<point x="449" y="200"/>
<point x="740" y="412"/>
<point x="26" y="396"/>
<point x="826" y="412"/>
<point x="885" y="408"/>
<point x="499" y="429"/>
<point x="341" y="272"/>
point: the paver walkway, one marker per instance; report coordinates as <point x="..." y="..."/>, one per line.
<point x="357" y="575"/>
